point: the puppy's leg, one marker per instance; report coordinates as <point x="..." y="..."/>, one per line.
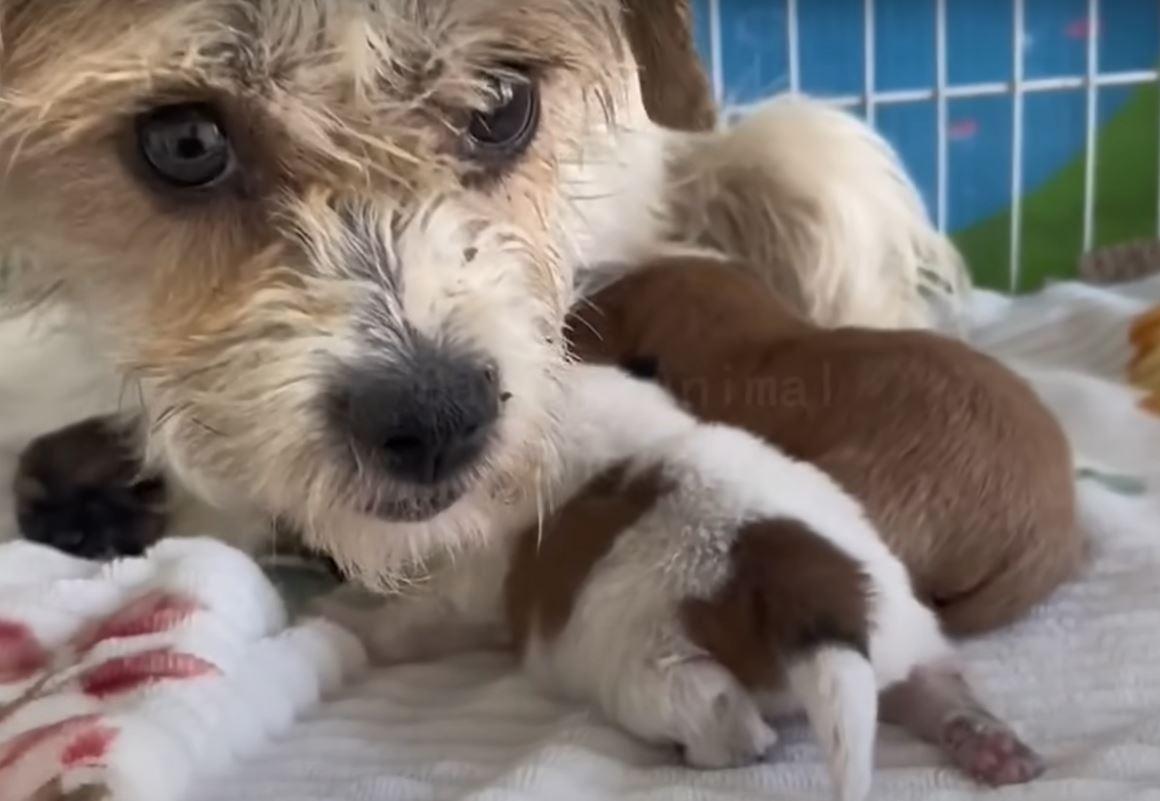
<point x="937" y="705"/>
<point x="837" y="687"/>
<point x="458" y="608"/>
<point x="411" y="628"/>
<point x="82" y="490"/>
<point x="698" y="705"/>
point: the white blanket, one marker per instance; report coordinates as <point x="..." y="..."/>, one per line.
<point x="131" y="681"/>
<point x="1080" y="678"/>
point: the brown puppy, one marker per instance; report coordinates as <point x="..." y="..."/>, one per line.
<point x="962" y="468"/>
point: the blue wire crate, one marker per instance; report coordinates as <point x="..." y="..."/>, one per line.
<point x="1032" y="127"/>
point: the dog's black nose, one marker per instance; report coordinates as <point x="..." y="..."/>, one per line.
<point x="426" y="417"/>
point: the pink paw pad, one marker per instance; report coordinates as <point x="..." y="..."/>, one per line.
<point x="990" y="752"/>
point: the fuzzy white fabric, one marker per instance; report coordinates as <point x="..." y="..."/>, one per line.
<point x="1079" y="678"/>
<point x="135" y="679"/>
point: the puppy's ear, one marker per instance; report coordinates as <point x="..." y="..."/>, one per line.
<point x="675" y="86"/>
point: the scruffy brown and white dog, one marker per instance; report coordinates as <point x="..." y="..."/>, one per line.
<point x="330" y="246"/>
<point x="695" y="584"/>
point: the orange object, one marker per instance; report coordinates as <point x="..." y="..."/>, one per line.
<point x="1144" y="367"/>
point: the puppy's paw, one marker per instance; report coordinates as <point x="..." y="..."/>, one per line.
<point x="988" y="751"/>
<point x="743" y="745"/>
<point x="80" y="490"/>
<point x="722" y="727"/>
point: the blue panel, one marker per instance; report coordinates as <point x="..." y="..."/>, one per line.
<point x="1056" y="41"/>
<point x="1055" y="122"/>
<point x="979" y="156"/>
<point x="904" y="46"/>
<point x="1130" y="35"/>
<point x="832" y="55"/>
<point x="979" y="36"/>
<point x="755" y="52"/>
<point x="912" y="129"/>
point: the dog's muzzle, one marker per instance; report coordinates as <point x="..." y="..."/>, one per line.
<point x="422" y="419"/>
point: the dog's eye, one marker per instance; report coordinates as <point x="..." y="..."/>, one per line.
<point x="504" y="131"/>
<point x="185" y="145"/>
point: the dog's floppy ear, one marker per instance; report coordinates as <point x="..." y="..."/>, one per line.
<point x="673" y="80"/>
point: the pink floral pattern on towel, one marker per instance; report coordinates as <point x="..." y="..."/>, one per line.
<point x="45" y="754"/>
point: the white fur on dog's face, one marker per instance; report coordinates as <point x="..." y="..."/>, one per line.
<point x="356" y="225"/>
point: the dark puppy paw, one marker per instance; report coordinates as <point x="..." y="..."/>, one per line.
<point x="81" y="490"/>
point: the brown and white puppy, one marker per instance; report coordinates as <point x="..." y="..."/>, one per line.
<point x="695" y="584"/>
<point x="959" y="464"/>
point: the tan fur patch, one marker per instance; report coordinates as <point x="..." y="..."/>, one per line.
<point x="790" y="592"/>
<point x="962" y="468"/>
<point x="551" y="564"/>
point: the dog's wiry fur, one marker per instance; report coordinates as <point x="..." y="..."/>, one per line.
<point x="357" y="227"/>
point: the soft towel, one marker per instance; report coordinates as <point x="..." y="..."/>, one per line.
<point x="129" y="681"/>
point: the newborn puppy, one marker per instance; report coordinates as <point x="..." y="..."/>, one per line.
<point x="693" y="583"/>
<point x="958" y="463"/>
<point x="81" y="489"/>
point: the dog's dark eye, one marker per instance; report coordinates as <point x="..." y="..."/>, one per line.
<point x="185" y="145"/>
<point x="505" y="130"/>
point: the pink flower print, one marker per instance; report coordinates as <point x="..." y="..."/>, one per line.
<point x="21" y="655"/>
<point x="32" y="760"/>
<point x="963" y="129"/>
<point x="128" y="673"/>
<point x="152" y="613"/>
<point x="1080" y="29"/>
